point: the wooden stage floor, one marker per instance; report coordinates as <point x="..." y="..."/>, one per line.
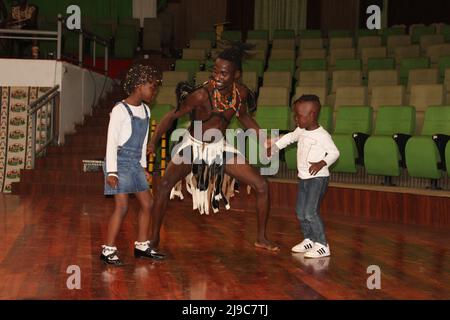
<point x="211" y="257"/>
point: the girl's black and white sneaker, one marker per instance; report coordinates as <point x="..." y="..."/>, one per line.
<point x="303" y="246"/>
<point x="318" y="251"/>
<point x="109" y="256"/>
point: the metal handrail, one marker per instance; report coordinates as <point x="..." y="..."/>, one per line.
<point x="41" y="101"/>
<point x="44" y="35"/>
<point x="33" y="108"/>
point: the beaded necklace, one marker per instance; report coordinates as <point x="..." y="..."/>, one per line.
<point x="221" y="103"/>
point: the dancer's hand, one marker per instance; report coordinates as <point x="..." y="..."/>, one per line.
<point x="148" y="176"/>
<point x="151" y="149"/>
<point x="112" y="181"/>
<point x="316" y="167"/>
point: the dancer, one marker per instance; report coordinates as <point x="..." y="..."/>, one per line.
<point x="213" y="105"/>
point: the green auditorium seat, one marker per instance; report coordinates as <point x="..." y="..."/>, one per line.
<point x="269" y="118"/>
<point x="283" y="34"/>
<point x="425" y="153"/>
<point x="255" y="65"/>
<point x="384" y="150"/>
<point x="310" y="34"/>
<point x="232" y="35"/>
<point x="258" y="34"/>
<point x="380" y="64"/>
<point x="393" y="31"/>
<point x="409" y="64"/>
<point x="351" y="122"/>
<point x="419" y="31"/>
<point x="326" y="117"/>
<point x="313" y="65"/>
<point x="273" y="117"/>
<point x="282" y="65"/>
<point x="348" y="64"/>
<point x="191" y="66"/>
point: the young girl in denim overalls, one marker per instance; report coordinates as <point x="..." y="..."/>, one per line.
<point x="125" y="165"/>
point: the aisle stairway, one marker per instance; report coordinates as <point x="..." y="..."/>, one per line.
<point x="61" y="170"/>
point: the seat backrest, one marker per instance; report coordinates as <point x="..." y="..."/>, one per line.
<point x="380" y="64"/>
<point x="348" y="64"/>
<point x="313" y="78"/>
<point x="277" y="54"/>
<point x="172" y="78"/>
<point x="191" y="66"/>
<point x="273" y="117"/>
<point x="341" y="53"/>
<point x="313" y="65"/>
<point x="351" y="119"/>
<point x="424" y="95"/>
<point x="277" y="79"/>
<point x="368" y="42"/>
<point x="345" y="78"/>
<point x="373" y="52"/>
<point x="335" y="43"/>
<point x="273" y="96"/>
<point x="311" y="54"/>
<point x="429" y="40"/>
<point x="395" y="119"/>
<point x="286" y="44"/>
<point x="202" y="76"/>
<point x="306" y="44"/>
<point x="422" y="76"/>
<point x="438" y="51"/>
<point x="437" y="120"/>
<point x="395" y="41"/>
<point x="382" y="78"/>
<point x="412" y="63"/>
<point x="166" y="95"/>
<point x="253" y="65"/>
<point x="250" y="79"/>
<point x="351" y="96"/>
<point x="418" y="31"/>
<point x="282" y="65"/>
<point x="194" y="54"/>
<point x="387" y="96"/>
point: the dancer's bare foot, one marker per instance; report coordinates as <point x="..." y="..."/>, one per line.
<point x="267" y="245"/>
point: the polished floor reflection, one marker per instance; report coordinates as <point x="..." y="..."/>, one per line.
<point x="211" y="257"/>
